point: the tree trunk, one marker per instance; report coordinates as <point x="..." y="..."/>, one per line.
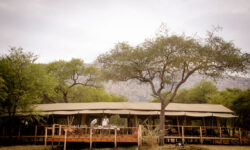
<point x="162" y="124"/>
<point x="65" y="97"/>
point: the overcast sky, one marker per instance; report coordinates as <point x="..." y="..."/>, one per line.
<point x="65" y="29"/>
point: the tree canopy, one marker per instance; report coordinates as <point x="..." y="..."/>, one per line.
<point x="70" y="74"/>
<point x="241" y="106"/>
<point x="22" y="82"/>
<point x="86" y="94"/>
<point x="167" y="61"/>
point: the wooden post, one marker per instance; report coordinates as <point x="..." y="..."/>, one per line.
<point x="53" y="133"/>
<point x="139" y="136"/>
<point x="115" y="142"/>
<point x="35" y="133"/>
<point x="218" y="121"/>
<point x="240" y="136"/>
<point x="183" y="140"/>
<point x="178" y="125"/>
<point x="19" y="132"/>
<point x="220" y="135"/>
<point x="136" y="120"/>
<point x="65" y="139"/>
<point x="45" y="137"/>
<point x="83" y="119"/>
<point x="204" y="124"/>
<point x="230" y="132"/>
<point x="60" y="130"/>
<point x="3" y="131"/>
<point x="185" y="120"/>
<point x="90" y="138"/>
<point x="201" y="141"/>
<point x="150" y="120"/>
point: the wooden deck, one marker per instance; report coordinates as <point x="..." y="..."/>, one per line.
<point x="61" y="133"/>
<point x="97" y="138"/>
<point x="174" y="133"/>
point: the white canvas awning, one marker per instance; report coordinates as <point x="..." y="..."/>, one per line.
<point x="224" y="115"/>
<point x="175" y="113"/>
<point x="198" y="114"/>
<point x="131" y="108"/>
<point x="131" y="112"/>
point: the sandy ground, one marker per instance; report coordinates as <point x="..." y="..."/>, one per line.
<point x="26" y="147"/>
<point x="224" y="147"/>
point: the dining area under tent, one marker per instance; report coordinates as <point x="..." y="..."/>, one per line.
<point x="185" y="123"/>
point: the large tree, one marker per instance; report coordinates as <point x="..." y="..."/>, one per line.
<point x="22" y="82"/>
<point x="70" y="74"/>
<point x="167" y="61"/>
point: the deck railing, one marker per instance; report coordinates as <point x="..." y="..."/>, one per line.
<point x="56" y="133"/>
<point x="62" y="133"/>
<point x="203" y="133"/>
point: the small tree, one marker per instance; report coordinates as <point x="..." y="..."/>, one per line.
<point x="241" y="106"/>
<point x="72" y="73"/>
<point x="167" y="61"/>
<point x="22" y="83"/>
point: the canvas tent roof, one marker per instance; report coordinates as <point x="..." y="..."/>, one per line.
<point x="135" y="108"/>
<point x="179" y="107"/>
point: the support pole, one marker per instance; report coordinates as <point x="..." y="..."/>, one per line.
<point x="139" y="135"/>
<point x="178" y="125"/>
<point x="3" y="131"/>
<point x="150" y="120"/>
<point x="204" y="124"/>
<point x="84" y="119"/>
<point x="201" y="141"/>
<point x="45" y="137"/>
<point x="19" y="132"/>
<point x="185" y="120"/>
<point x="53" y="133"/>
<point x="220" y="135"/>
<point x="240" y="136"/>
<point x="218" y="122"/>
<point x="35" y="134"/>
<point x="115" y="142"/>
<point x="136" y="120"/>
<point x="183" y="140"/>
<point x="65" y="139"/>
<point x="90" y="138"/>
<point x="60" y="130"/>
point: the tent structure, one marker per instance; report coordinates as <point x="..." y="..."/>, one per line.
<point x="134" y="108"/>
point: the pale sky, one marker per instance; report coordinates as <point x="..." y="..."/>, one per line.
<point x="65" y="29"/>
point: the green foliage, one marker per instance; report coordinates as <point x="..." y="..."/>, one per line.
<point x="72" y="73"/>
<point x="167" y="61"/>
<point x="225" y="97"/>
<point x="23" y="82"/>
<point x="118" y="121"/>
<point x="238" y="101"/>
<point x="165" y="94"/>
<point x="182" y="96"/>
<point x="241" y="106"/>
<point x="197" y="94"/>
<point x="3" y="88"/>
<point x="86" y="94"/>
